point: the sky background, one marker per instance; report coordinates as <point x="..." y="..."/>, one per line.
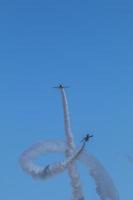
<point x="87" y="45"/>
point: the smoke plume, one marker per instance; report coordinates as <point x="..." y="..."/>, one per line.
<point x="105" y="187"/>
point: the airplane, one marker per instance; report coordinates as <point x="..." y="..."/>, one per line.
<point x="87" y="137"/>
<point x="60" y="86"/>
<point x="46" y="168"/>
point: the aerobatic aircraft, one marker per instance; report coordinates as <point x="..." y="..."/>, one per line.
<point x="87" y="137"/>
<point x="61" y="86"/>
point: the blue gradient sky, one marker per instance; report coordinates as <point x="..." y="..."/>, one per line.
<point x="87" y="45"/>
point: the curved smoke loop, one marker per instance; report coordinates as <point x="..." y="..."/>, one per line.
<point x="104" y="185"/>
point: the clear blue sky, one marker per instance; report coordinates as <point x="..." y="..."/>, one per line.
<point x="87" y="45"/>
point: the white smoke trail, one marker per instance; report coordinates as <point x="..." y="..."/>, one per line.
<point x="27" y="160"/>
<point x="105" y="187"/>
<point x="104" y="184"/>
<point x="77" y="193"/>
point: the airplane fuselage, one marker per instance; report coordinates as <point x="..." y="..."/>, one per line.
<point x="87" y="137"/>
